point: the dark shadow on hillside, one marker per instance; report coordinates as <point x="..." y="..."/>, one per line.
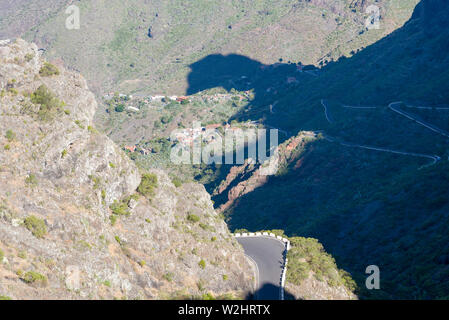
<point x="241" y="73"/>
<point x="410" y="64"/>
<point x="265" y="82"/>
<point x="269" y="292"/>
<point x="281" y="87"/>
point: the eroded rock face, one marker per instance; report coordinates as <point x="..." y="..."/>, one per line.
<point x="59" y="169"/>
<point x="314" y="289"/>
<point x="248" y="177"/>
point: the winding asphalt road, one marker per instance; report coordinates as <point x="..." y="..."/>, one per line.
<point x="394" y="106"/>
<point x="326" y="113"/>
<point x="268" y="254"/>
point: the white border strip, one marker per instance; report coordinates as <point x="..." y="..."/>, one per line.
<point x="264" y="235"/>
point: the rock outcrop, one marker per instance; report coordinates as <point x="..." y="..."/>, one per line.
<point x="246" y="178"/>
<point x="59" y="180"/>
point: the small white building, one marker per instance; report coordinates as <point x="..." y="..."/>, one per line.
<point x="131" y="108"/>
<point x="4" y="42"/>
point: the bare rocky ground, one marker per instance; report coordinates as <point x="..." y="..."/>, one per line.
<point x="314" y="289"/>
<point x="59" y="170"/>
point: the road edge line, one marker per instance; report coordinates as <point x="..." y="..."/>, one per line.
<point x="284" y="241"/>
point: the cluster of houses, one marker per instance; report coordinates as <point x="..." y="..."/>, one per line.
<point x="136" y="148"/>
<point x="189" y="135"/>
<point x="214" y="97"/>
<point x="137" y="100"/>
<point x="160" y="97"/>
<point x="111" y="95"/>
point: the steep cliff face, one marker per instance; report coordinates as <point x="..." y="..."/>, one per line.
<point x="71" y="222"/>
<point x="244" y="179"/>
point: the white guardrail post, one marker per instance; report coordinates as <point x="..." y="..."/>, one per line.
<point x="287" y="247"/>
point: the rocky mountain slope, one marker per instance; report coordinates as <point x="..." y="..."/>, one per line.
<point x="367" y="206"/>
<point x="72" y="224"/>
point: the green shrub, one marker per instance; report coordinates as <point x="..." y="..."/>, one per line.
<point x="2" y="254"/>
<point x="49" y="105"/>
<point x="347" y="280"/>
<point x="5" y="298"/>
<point x="207" y="296"/>
<point x="29" y="57"/>
<point x="119" y="108"/>
<point x="113" y="218"/>
<point x="63" y="153"/>
<point x="307" y="254"/>
<point x="200" y="284"/>
<point x="48" y="70"/>
<point x="34" y="277"/>
<point x="202" y="264"/>
<point x="147" y="185"/>
<point x="225" y="277"/>
<point x="96" y="181"/>
<point x="36" y="226"/>
<point x="119" y="241"/>
<point x="13" y="91"/>
<point x="168" y="276"/>
<point x="10" y="135"/>
<point x="205" y="226"/>
<point x="142" y="263"/>
<point x="107" y="283"/>
<point x="22" y="255"/>
<point x="31" y="179"/>
<point x="177" y="182"/>
<point x="119" y="208"/>
<point x="193" y="218"/>
<point x="7" y="147"/>
<point x="79" y="124"/>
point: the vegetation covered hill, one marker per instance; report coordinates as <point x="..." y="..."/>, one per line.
<point x="147" y="46"/>
<point x="373" y="186"/>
